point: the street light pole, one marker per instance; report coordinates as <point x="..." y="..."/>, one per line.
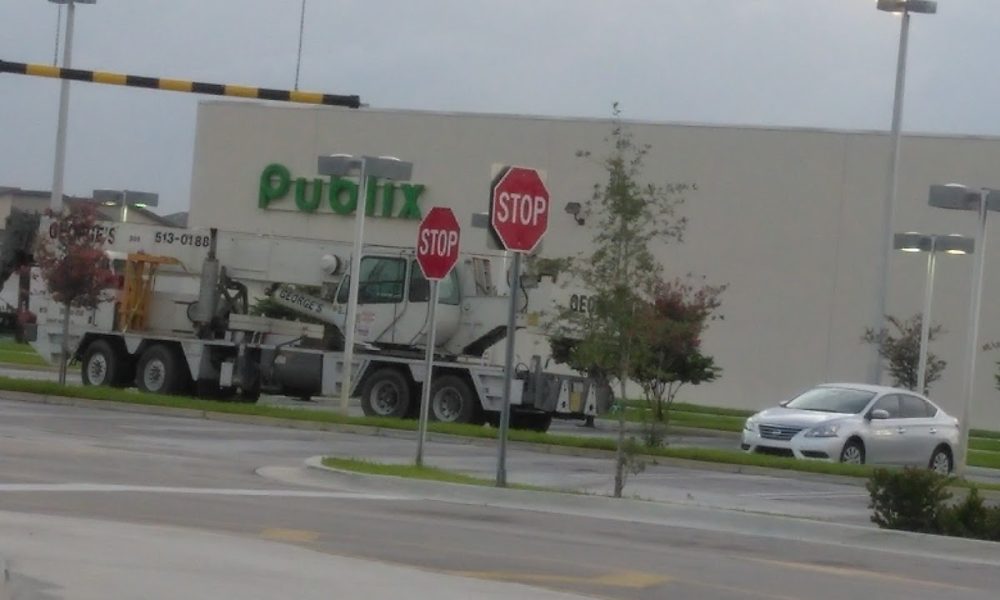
<point x="972" y="343"/>
<point x="913" y="241"/>
<point x="59" y="165"/>
<point x="905" y="7"/>
<point x="959" y="197"/>
<point x="925" y="318"/>
<point x="339" y="165"/>
<point x="355" y="285"/>
<point x="58" y="168"/>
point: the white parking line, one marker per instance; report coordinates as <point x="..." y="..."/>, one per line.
<point x="152" y="489"/>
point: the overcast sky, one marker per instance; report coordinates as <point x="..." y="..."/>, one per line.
<point x="822" y="63"/>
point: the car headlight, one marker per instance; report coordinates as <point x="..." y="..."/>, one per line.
<point x="823" y="431"/>
<point x="750" y="425"/>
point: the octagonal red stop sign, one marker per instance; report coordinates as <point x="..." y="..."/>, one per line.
<point x="437" y="243"/>
<point x="519" y="208"/>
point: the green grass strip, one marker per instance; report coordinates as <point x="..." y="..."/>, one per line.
<point x="414" y="472"/>
<point x="984" y="444"/>
<point x="15" y="357"/>
<point x="734" y="457"/>
<point x="16" y="353"/>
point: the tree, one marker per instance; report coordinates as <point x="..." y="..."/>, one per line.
<point x="621" y="273"/>
<point x="73" y="265"/>
<point x="900" y="349"/>
<point x="673" y="323"/>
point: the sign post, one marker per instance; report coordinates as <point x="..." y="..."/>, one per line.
<point x="519" y="215"/>
<point x="437" y="253"/>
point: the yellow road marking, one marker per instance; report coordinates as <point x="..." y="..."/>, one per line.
<point x="851" y="572"/>
<point x="636" y="580"/>
<point x="298" y="536"/>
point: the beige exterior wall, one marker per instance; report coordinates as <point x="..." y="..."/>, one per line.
<point x="789" y="219"/>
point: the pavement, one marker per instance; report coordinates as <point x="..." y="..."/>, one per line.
<point x="63" y="557"/>
<point x="128" y="504"/>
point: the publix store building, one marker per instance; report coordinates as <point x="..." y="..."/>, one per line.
<point x="788" y="218"/>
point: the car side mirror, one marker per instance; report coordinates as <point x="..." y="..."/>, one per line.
<point x="878" y="414"/>
<point x="784" y="403"/>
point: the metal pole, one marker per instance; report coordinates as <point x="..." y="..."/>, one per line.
<point x="124" y="205"/>
<point x="58" y="169"/>
<point x="973" y="333"/>
<point x="925" y="318"/>
<point x="425" y="394"/>
<point x="354" y="288"/>
<point x="508" y="373"/>
<point x="875" y="375"/>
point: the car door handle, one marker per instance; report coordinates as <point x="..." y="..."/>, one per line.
<point x="932" y="430"/>
<point x="901" y="429"/>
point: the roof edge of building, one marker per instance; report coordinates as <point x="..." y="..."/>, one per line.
<point x="578" y="119"/>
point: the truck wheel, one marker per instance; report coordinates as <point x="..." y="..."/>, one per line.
<point x="452" y="401"/>
<point x="162" y="371"/>
<point x="102" y="365"/>
<point x="531" y="421"/>
<point x="386" y="394"/>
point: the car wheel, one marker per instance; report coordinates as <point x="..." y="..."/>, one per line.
<point x="853" y="453"/>
<point x="941" y="461"/>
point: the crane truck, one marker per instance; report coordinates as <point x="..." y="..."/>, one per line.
<point x="180" y="321"/>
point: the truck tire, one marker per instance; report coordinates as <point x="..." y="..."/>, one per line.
<point x="103" y="365"/>
<point x="386" y="393"/>
<point x="162" y="370"/>
<point x="531" y="421"/>
<point x="452" y="401"/>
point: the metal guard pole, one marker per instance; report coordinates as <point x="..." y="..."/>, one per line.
<point x="179" y="85"/>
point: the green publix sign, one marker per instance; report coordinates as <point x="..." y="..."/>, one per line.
<point x="341" y="195"/>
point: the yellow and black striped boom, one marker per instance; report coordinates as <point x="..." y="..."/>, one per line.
<point x="179" y="85"/>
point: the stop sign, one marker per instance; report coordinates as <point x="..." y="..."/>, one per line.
<point x="519" y="208"/>
<point x="437" y="243"/>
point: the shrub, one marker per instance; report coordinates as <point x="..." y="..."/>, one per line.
<point x="968" y="518"/>
<point x="911" y="499"/>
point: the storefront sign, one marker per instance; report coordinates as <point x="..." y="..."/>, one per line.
<point x="340" y="195"/>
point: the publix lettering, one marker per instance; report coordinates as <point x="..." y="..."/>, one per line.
<point x="384" y="199"/>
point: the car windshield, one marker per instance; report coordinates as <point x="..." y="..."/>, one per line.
<point x="833" y="400"/>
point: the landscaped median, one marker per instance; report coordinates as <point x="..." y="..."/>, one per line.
<point x="541" y="440"/>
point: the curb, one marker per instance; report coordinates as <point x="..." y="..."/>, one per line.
<point x="677" y="514"/>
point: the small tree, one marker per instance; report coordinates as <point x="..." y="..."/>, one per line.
<point x="621" y="273"/>
<point x="900" y="349"/>
<point x="73" y="266"/>
<point x="673" y="324"/>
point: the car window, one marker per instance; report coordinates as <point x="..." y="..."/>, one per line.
<point x="912" y="407"/>
<point x="889" y="404"/>
<point x="833" y="400"/>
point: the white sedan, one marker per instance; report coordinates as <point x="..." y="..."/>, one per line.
<point x="858" y="424"/>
